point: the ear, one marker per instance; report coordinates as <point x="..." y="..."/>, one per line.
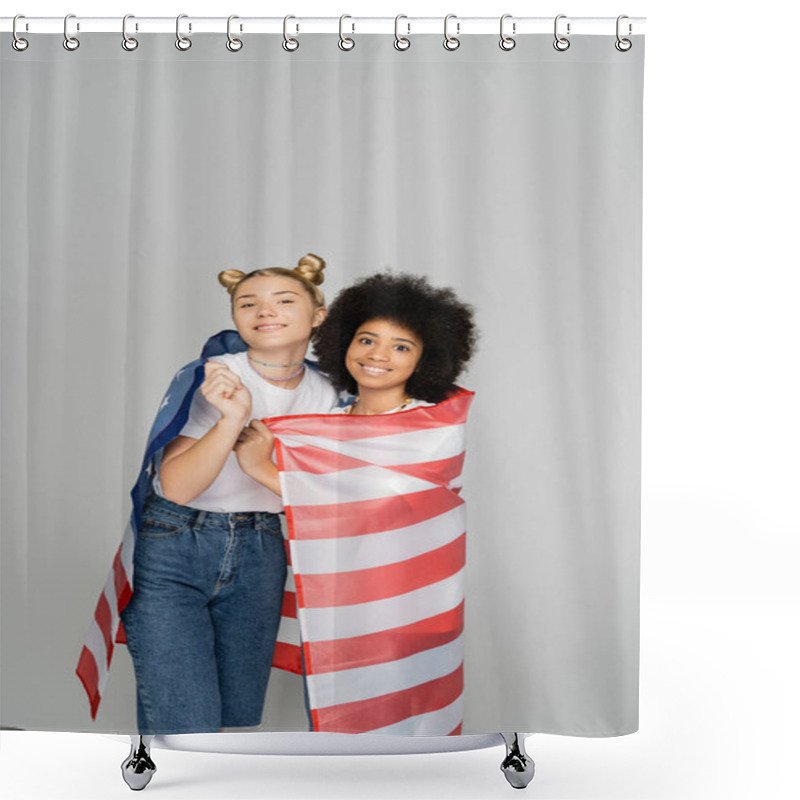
<point x="319" y="316"/>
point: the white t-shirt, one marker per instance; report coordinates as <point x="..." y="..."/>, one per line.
<point x="233" y="491"/>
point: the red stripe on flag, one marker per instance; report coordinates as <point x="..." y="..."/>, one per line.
<point x="389" y="645"/>
<point x="102" y="616"/>
<point x="319" y="461"/>
<point x="287" y="656"/>
<point x="87" y="672"/>
<point x="289" y="608"/>
<point x="334" y="520"/>
<point x="441" y="472"/>
<point x="122" y="588"/>
<point x="377" y="712"/>
<point x="377" y="583"/>
<point x="457" y="731"/>
<point x="121" y="637"/>
<point x="344" y="427"/>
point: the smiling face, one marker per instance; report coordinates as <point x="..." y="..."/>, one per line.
<point x="272" y="312"/>
<point x="383" y="356"/>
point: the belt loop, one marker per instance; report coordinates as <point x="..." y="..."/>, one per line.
<point x="198" y="520"/>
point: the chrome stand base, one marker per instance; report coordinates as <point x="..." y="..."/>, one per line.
<point x="517" y="766"/>
<point x="138" y="768"/>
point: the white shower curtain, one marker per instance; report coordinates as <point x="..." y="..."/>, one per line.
<point x="129" y="179"/>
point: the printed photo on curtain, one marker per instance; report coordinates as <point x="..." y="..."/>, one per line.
<point x="346" y="343"/>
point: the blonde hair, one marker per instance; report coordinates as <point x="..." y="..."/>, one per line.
<point x="308" y="273"/>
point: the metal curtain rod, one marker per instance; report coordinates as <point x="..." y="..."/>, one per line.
<point x="386" y="25"/>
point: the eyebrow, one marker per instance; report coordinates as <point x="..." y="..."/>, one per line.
<point x="285" y="291"/>
<point x="394" y="338"/>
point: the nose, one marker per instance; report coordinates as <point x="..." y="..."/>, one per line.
<point x="266" y="310"/>
<point x="379" y="354"/>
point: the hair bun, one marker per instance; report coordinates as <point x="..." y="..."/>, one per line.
<point x="230" y="278"/>
<point x="310" y="267"/>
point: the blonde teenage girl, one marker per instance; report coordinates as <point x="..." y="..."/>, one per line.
<point x="209" y="562"/>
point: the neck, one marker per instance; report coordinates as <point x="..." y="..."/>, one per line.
<point x="379" y="401"/>
<point x="274" y="364"/>
<point x="280" y="357"/>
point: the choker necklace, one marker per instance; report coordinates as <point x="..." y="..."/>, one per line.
<point x="297" y="372"/>
<point x="264" y="363"/>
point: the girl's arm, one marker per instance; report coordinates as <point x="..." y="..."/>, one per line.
<point x="254" y="452"/>
<point x="190" y="466"/>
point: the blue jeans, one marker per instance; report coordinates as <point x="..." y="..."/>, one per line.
<point x="201" y="625"/>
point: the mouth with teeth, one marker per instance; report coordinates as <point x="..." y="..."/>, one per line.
<point x="376" y="371"/>
<point x="273" y="326"/>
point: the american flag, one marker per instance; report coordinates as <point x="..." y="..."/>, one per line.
<point x="376" y="535"/>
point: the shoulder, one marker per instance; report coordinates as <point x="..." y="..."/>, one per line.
<point x="237" y="362"/>
<point x="315" y="377"/>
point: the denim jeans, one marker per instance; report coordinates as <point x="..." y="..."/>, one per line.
<point x="201" y="625"/>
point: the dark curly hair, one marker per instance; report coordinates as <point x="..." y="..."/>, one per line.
<point x="442" y="321"/>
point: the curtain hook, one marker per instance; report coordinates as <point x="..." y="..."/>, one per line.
<point x="129" y="43"/>
<point x="561" y="43"/>
<point x="233" y="44"/>
<point x="451" y="42"/>
<point x="623" y="45"/>
<point x="18" y="43"/>
<point x="182" y="42"/>
<point x="70" y="42"/>
<point x="289" y="44"/>
<point x="401" y="42"/>
<point x="346" y="42"/>
<point x="507" y="42"/>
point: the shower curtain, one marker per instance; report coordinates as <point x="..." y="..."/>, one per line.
<point x="131" y="178"/>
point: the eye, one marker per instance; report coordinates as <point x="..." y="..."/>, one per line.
<point x="246" y="305"/>
<point x="287" y="300"/>
<point x="365" y="340"/>
<point x="402" y="348"/>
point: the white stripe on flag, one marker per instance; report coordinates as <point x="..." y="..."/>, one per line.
<point x="126" y="554"/>
<point x="363" y="683"/>
<point x="393" y="450"/>
<point x="110" y="593"/>
<point x="434" y="723"/>
<point x="289" y="631"/>
<point x="289" y="585"/>
<point x="344" y="622"/>
<point x="323" y="556"/>
<point x="350" y="486"/>
<point x="96" y="643"/>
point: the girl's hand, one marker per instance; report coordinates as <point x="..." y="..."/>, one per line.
<point x="254" y="449"/>
<point x="224" y="390"/>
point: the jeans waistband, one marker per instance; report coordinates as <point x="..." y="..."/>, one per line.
<point x="256" y="519"/>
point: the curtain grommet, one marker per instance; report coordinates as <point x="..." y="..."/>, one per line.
<point x="17" y="42"/>
<point x="289" y="44"/>
<point x="622" y="44"/>
<point x="70" y="43"/>
<point x="561" y="43"/>
<point x="451" y="43"/>
<point x="233" y="44"/>
<point x="507" y="42"/>
<point x="129" y="43"/>
<point x="401" y="43"/>
<point x="346" y="43"/>
<point x="183" y="43"/>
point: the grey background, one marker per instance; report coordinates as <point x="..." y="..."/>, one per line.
<point x="130" y="179"/>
